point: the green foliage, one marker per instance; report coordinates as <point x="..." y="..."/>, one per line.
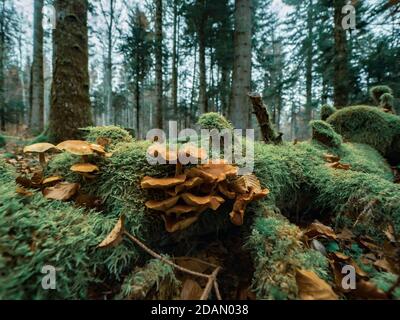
<point x="324" y="133"/>
<point x="2" y="141"/>
<point x="156" y="277"/>
<point x="369" y="125"/>
<point x="377" y="92"/>
<point x="387" y="101"/>
<point x="213" y="120"/>
<point x="385" y="280"/>
<point x="114" y="133"/>
<point x="327" y="111"/>
<point x="43" y="137"/>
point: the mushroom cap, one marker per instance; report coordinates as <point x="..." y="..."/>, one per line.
<point x="39" y="147"/>
<point x="213" y="173"/>
<point x="84" y="168"/>
<point x="162" y="150"/>
<point x="98" y="149"/>
<point x="174" y="224"/>
<point x="78" y="147"/>
<point x="163" y="205"/>
<point x="212" y="201"/>
<point x="52" y="179"/>
<point x="161" y="183"/>
<point x="189" y="150"/>
<point x="181" y="209"/>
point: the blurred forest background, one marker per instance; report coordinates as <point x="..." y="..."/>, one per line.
<point x="140" y="64"/>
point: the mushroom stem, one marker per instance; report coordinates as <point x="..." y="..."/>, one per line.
<point x="42" y="159"/>
<point x="178" y="169"/>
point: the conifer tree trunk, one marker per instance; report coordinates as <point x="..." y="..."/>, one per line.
<point x="203" y="101"/>
<point x="174" y="92"/>
<point x="340" y="78"/>
<point x="159" y="64"/>
<point x="309" y="64"/>
<point x="37" y="117"/>
<point x="2" y="54"/>
<point x="70" y="103"/>
<point x="241" y="77"/>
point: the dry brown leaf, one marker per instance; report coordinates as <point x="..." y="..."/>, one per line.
<point x="115" y="237"/>
<point x="88" y="201"/>
<point x="389" y="233"/>
<point x="368" y="290"/>
<point x="339" y="165"/>
<point x="337" y="256"/>
<point x="331" y="158"/>
<point x="317" y="229"/>
<point x="62" y="191"/>
<point x="191" y="290"/>
<point x="24" y="182"/>
<point x="23" y="192"/>
<point x="312" y="287"/>
<point x="345" y="235"/>
<point x="384" y="265"/>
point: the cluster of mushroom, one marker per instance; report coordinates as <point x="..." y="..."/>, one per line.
<point x="194" y="190"/>
<point x="77" y="147"/>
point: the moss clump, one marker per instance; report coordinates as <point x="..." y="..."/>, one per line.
<point x="387" y="102"/>
<point x="369" y="125"/>
<point x="377" y="92"/>
<point x="114" y="133"/>
<point x="2" y="141"/>
<point x="156" y="278"/>
<point x="278" y="253"/>
<point x="214" y="120"/>
<point x="324" y="133"/>
<point x="327" y="111"/>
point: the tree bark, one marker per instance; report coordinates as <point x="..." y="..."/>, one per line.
<point x="241" y="78"/>
<point x="159" y="65"/>
<point x="174" y="92"/>
<point x="309" y="63"/>
<point x="340" y="78"/>
<point x="70" y="103"/>
<point x="37" y="120"/>
<point x="203" y="101"/>
<point x="2" y="56"/>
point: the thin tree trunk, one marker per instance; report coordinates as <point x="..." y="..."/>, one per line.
<point x="309" y="63"/>
<point x="70" y="103"/>
<point x="340" y="78"/>
<point x="2" y="57"/>
<point x="175" y="62"/>
<point x="37" y="120"/>
<point x="109" y="65"/>
<point x="191" y="111"/>
<point x="241" y="78"/>
<point x="203" y="101"/>
<point x="159" y="64"/>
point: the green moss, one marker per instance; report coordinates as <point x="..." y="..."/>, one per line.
<point x="214" y="120"/>
<point x="114" y="133"/>
<point x="43" y="137"/>
<point x="369" y="125"/>
<point x="324" y="133"/>
<point x="387" y="101"/>
<point x="384" y="281"/>
<point x="277" y="254"/>
<point x="327" y="111"/>
<point x="377" y="92"/>
<point x="156" y="277"/>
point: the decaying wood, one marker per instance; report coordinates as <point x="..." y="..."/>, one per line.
<point x="260" y="110"/>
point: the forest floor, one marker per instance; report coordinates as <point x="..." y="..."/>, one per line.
<point x="341" y="248"/>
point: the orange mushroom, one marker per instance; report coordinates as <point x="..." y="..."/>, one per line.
<point x="41" y="149"/>
<point x="174" y="224"/>
<point x="212" y="201"/>
<point x="162" y="205"/>
<point x="161" y="183"/>
<point x="77" y="147"/>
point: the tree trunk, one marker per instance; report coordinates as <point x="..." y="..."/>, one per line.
<point x="109" y="65"/>
<point x="2" y="56"/>
<point x="309" y="63"/>
<point x="70" y="103"/>
<point x="203" y="101"/>
<point x="340" y="78"/>
<point x="175" y="62"/>
<point x="37" y="120"/>
<point x="159" y="65"/>
<point x="241" y="78"/>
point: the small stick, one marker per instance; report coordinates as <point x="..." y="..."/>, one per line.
<point x="157" y="256"/>
<point x="211" y="281"/>
<point x="216" y="289"/>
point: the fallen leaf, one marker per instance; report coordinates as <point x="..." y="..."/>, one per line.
<point x="368" y="290"/>
<point x="331" y="158"/>
<point x="345" y="235"/>
<point x="191" y="290"/>
<point x="23" y="192"/>
<point x="191" y="264"/>
<point x="312" y="287"/>
<point x="317" y="229"/>
<point x="339" y="165"/>
<point x="115" y="237"/>
<point x="384" y="265"/>
<point x="63" y="191"/>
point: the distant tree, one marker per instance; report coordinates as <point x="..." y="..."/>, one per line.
<point x="137" y="48"/>
<point x="70" y="103"/>
<point x="37" y="81"/>
<point x="159" y="62"/>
